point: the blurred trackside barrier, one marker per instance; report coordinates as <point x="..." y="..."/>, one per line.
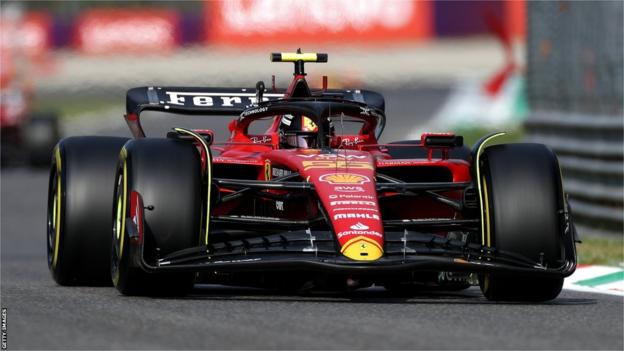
<point x="163" y="26"/>
<point x="575" y="91"/>
<point x="26" y="34"/>
<point x="291" y="22"/>
<point x="114" y="31"/>
<point x="352" y="22"/>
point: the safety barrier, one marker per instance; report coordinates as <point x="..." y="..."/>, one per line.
<point x="575" y="86"/>
<point x="590" y="151"/>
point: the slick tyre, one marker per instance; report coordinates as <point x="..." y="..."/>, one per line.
<point x="523" y="202"/>
<point x="79" y="211"/>
<point x="167" y="175"/>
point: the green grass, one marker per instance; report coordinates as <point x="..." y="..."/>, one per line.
<point x="601" y="251"/>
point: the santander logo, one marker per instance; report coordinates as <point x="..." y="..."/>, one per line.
<point x="359" y="226"/>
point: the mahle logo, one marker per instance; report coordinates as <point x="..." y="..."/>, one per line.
<point x="344" y="178"/>
<point x="356" y="216"/>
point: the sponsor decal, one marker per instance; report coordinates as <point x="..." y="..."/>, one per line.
<point x="351" y="142"/>
<point x="365" y="111"/>
<point x="352" y="202"/>
<point x="280" y="172"/>
<point x="279" y="205"/>
<point x="336" y="164"/>
<point x="359" y="226"/>
<point x="356" y="196"/>
<point x="352" y="209"/>
<point x="352" y="196"/>
<point x="181" y="98"/>
<point x="333" y="156"/>
<point x="236" y="161"/>
<point x="359" y="232"/>
<point x="344" y="178"/>
<point x="261" y="140"/>
<point x="386" y="163"/>
<point x="355" y="216"/>
<point x="267" y="169"/>
<point x="254" y="111"/>
<point x="349" y="189"/>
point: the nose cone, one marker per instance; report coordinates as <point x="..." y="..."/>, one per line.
<point x="362" y="248"/>
<point x="345" y="184"/>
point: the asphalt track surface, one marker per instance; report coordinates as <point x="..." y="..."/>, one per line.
<point x="43" y="315"/>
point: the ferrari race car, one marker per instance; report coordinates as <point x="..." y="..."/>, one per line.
<point x="303" y="197"/>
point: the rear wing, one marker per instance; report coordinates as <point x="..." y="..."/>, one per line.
<point x="187" y="100"/>
<point x="218" y="101"/>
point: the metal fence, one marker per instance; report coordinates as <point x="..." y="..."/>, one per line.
<point x="575" y="90"/>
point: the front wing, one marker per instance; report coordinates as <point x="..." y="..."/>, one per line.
<point x="409" y="245"/>
<point x="309" y="251"/>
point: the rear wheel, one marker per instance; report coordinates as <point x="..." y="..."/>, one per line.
<point x="523" y="202"/>
<point x="79" y="209"/>
<point x="167" y="175"/>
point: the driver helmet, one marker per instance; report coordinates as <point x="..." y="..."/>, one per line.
<point x="298" y="132"/>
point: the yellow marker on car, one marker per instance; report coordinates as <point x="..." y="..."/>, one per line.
<point x="362" y="248"/>
<point x="298" y="56"/>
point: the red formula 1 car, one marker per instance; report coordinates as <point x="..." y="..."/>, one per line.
<point x="313" y="202"/>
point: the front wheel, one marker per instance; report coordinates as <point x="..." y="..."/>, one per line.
<point x="523" y="207"/>
<point x="511" y="288"/>
<point x="167" y="175"/>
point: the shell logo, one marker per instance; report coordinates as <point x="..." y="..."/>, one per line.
<point x="344" y="178"/>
